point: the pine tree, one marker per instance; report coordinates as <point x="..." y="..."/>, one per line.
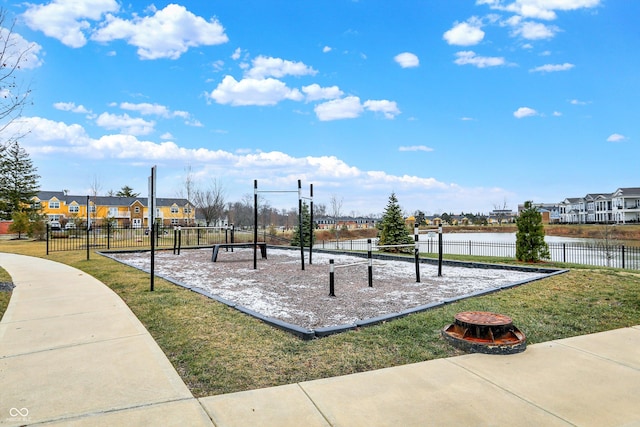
<point x="306" y="220"/>
<point x="18" y="180"/>
<point x="392" y="227"/>
<point x="530" y="244"/>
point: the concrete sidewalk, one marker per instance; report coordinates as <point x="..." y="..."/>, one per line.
<point x="72" y="353"/>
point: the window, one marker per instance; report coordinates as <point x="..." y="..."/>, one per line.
<point x="174" y="209"/>
<point x="74" y="209"/>
<point x="136" y="209"/>
<point x="54" y="204"/>
<point x="187" y="210"/>
<point x="174" y="221"/>
<point x="113" y="212"/>
<point x="92" y="208"/>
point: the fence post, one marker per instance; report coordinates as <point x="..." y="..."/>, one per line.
<point x="564" y="252"/>
<point x="469" y="247"/>
<point x="179" y="239"/>
<point x="416" y="238"/>
<point x="331" y="279"/>
<point x="48" y="229"/>
<point x="623" y="264"/>
<point x="175" y="239"/>
<point x="370" y="266"/>
<point x="440" y="250"/>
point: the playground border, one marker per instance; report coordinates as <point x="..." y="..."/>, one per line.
<point x="309" y="334"/>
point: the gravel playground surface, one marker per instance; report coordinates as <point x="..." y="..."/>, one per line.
<point x="279" y="289"/>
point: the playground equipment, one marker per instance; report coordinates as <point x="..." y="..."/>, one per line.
<point x="300" y="198"/>
<point x="415" y="245"/>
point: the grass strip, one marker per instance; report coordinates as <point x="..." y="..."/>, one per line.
<point x="218" y="350"/>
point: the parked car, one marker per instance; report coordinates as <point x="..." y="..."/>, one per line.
<point x="55" y="225"/>
<point x="70" y="226"/>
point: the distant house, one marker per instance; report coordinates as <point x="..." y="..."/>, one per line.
<point x="120" y="211"/>
<point x="350" y="223"/>
<point x="620" y="207"/>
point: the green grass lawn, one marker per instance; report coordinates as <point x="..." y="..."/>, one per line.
<point x="218" y="350"/>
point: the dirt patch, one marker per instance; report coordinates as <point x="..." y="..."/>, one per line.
<point x="278" y="288"/>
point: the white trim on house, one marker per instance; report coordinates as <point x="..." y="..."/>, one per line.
<point x="620" y="207"/>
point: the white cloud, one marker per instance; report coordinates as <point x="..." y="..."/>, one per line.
<point x="415" y="148"/>
<point x="125" y="124"/>
<point x="345" y="108"/>
<point x="557" y="114"/>
<point x="236" y="54"/>
<point x="524" y="112"/>
<point x="169" y="33"/>
<point x="470" y="58"/>
<point x="253" y="92"/>
<point x="616" y="137"/>
<point x="274" y="169"/>
<point x="388" y="108"/>
<point x="407" y="60"/>
<point x="549" y="68"/>
<point x="68" y="21"/>
<point x="19" y="52"/>
<point x="70" y="106"/>
<point x="539" y="9"/>
<point x="315" y="92"/>
<point x="263" y="67"/>
<point x="465" y="33"/>
<point x="327" y="49"/>
<point x="46" y="135"/>
<point x="534" y="31"/>
<point x="578" y="102"/>
<point x="147" y="109"/>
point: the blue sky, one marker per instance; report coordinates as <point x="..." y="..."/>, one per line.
<point x="458" y="105"/>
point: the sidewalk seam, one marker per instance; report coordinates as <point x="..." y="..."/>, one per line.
<point x="112" y="411"/>
<point x="62" y="347"/>
<point x="517" y="396"/>
<point x="314" y="404"/>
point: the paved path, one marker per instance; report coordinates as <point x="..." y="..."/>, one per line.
<point x="73" y="354"/>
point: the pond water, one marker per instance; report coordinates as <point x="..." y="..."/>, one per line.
<point x="494" y="238"/>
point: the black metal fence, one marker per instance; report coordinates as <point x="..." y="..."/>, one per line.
<point x="597" y="254"/>
<point x="109" y="237"/>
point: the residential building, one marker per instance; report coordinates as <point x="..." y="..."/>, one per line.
<point x="120" y="211"/>
<point x="620" y="207"/>
<point x="350" y="223"/>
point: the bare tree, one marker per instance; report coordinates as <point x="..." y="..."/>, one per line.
<point x="336" y="213"/>
<point x="13" y="54"/>
<point x="501" y="211"/>
<point x="188" y="187"/>
<point x="94" y="190"/>
<point x="319" y="210"/>
<point x="210" y="201"/>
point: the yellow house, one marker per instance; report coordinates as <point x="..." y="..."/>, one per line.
<point x="133" y="212"/>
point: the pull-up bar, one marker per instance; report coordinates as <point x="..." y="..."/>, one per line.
<point x="300" y="222"/>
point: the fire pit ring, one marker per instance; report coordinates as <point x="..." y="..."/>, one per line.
<point x="485" y="332"/>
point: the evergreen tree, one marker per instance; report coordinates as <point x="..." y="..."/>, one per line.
<point x="392" y="227"/>
<point x="18" y="181"/>
<point x="306" y="221"/>
<point x="530" y="244"/>
<point x="127" y="191"/>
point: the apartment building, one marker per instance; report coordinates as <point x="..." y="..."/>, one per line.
<point x="620" y="207"/>
<point x="133" y="212"/>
